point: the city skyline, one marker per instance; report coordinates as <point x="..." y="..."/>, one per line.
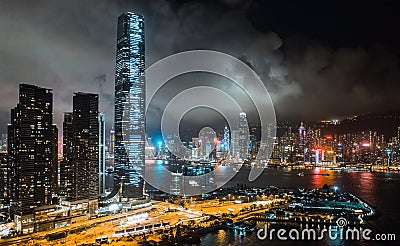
<point x="212" y="122"/>
<point x="314" y="90"/>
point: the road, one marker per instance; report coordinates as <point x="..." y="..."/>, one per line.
<point x="160" y="212"/>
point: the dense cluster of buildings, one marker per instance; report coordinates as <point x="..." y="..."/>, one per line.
<point x="33" y="178"/>
<point x="39" y="191"/>
<point x="237" y="144"/>
<point x="315" y="145"/>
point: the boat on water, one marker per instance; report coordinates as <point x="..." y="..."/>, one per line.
<point x="389" y="180"/>
<point x="301" y="174"/>
<point x="321" y="174"/>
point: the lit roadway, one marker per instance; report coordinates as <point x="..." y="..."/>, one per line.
<point x="108" y="225"/>
<point x="38" y="235"/>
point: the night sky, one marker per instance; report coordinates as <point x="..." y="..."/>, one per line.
<point x="318" y="59"/>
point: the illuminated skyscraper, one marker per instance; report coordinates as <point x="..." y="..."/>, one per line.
<point x="254" y="141"/>
<point x="129" y="147"/>
<point x="54" y="178"/>
<point x="244" y="139"/>
<point x="102" y="153"/>
<point x="207" y="141"/>
<point x="4" y="201"/>
<point x="302" y="134"/>
<point x="85" y="126"/>
<point x="79" y="170"/>
<point x="67" y="171"/>
<point x="227" y="139"/>
<point x="31" y="147"/>
<point x="302" y="141"/>
<point x="112" y="142"/>
<point x="234" y="147"/>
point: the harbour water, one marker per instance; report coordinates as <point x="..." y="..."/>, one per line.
<point x="380" y="190"/>
<point x="373" y="188"/>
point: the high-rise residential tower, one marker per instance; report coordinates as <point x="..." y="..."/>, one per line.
<point x="79" y="170"/>
<point x="129" y="147"/>
<point x="31" y="147"/>
<point x="85" y="127"/>
<point x="67" y="171"/>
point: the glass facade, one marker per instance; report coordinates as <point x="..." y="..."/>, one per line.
<point x="227" y="139"/>
<point x="129" y="147"/>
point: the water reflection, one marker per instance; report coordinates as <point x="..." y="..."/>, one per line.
<point x="371" y="187"/>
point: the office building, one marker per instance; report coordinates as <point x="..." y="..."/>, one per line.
<point x="129" y="147"/>
<point x="226" y="142"/>
<point x="234" y="146"/>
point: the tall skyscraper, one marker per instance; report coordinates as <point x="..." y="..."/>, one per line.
<point x="234" y="147"/>
<point x="85" y="126"/>
<point x="129" y="148"/>
<point x="4" y="201"/>
<point x="227" y="139"/>
<point x="206" y="142"/>
<point x="302" y="142"/>
<point x="102" y="153"/>
<point x="112" y="143"/>
<point x="54" y="178"/>
<point x="3" y="142"/>
<point x="302" y="134"/>
<point x="31" y="147"/>
<point x="67" y="171"/>
<point x="79" y="171"/>
<point x="244" y="139"/>
<point x="255" y="132"/>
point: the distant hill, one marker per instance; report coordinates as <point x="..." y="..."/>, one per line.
<point x="385" y="123"/>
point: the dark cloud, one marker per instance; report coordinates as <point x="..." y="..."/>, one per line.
<point x="70" y="46"/>
<point x="341" y="82"/>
